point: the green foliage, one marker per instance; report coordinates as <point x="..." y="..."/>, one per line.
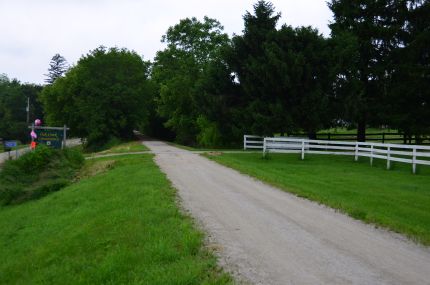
<point x="381" y="77"/>
<point x="373" y="71"/>
<point x="395" y="199"/>
<point x="38" y="173"/>
<point x="284" y="74"/>
<point x="13" y="102"/>
<point x="121" y="226"/>
<point x="103" y="97"/>
<point x="410" y="85"/>
<point x="209" y="134"/>
<point x="182" y="71"/>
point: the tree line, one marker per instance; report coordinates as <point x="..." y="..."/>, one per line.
<point x="206" y="88"/>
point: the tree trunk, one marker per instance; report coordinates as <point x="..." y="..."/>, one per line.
<point x="312" y="135"/>
<point x="361" y="130"/>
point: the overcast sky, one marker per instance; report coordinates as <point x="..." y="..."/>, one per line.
<point x="32" y="31"/>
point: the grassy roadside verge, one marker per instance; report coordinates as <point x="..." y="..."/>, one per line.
<point x="133" y="146"/>
<point x="121" y="226"/>
<point x="394" y="199"/>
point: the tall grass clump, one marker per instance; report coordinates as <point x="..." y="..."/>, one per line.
<point x="38" y="173"/>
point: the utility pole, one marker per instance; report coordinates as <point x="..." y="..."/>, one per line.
<point x="28" y="110"/>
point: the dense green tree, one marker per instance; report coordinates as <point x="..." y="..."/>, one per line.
<point x="57" y="68"/>
<point x="305" y="78"/>
<point x="13" y="103"/>
<point x="410" y="84"/>
<point x="367" y="31"/>
<point x="284" y="74"/>
<point x="262" y="112"/>
<point x="103" y="97"/>
<point x="193" y="46"/>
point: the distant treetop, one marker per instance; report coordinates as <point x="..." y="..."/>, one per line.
<point x="57" y="68"/>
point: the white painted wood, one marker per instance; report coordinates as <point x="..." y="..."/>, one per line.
<point x="388" y="152"/>
<point x="388" y="158"/>
<point x="252" y="142"/>
<point x="356" y="152"/>
<point x="331" y="147"/>
<point x="424" y="162"/>
<point x="303" y="149"/>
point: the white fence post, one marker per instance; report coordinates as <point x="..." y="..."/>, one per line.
<point x="264" y="147"/>
<point x="388" y="158"/>
<point x="371" y="155"/>
<point x="356" y="152"/>
<point x="303" y="149"/>
<point x="244" y="142"/>
<point x="414" y="161"/>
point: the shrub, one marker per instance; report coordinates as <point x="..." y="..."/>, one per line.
<point x="209" y="134"/>
<point x="37" y="173"/>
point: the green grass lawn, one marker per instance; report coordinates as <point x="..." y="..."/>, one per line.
<point x="395" y="199"/>
<point x="121" y="226"/>
<point x="134" y="146"/>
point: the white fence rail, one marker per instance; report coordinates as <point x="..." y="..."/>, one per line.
<point x="252" y="142"/>
<point x="413" y="154"/>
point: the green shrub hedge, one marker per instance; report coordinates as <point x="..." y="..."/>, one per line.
<point x="38" y="173"/>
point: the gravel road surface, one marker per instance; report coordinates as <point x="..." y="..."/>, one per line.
<point x="266" y="236"/>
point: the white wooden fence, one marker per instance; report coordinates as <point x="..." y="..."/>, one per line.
<point x="252" y="142"/>
<point x="413" y="154"/>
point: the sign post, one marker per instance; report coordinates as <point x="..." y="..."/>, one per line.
<point x="9" y="145"/>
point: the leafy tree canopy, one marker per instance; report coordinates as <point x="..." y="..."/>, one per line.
<point x="102" y="97"/>
<point x="13" y="103"/>
<point x="192" y="47"/>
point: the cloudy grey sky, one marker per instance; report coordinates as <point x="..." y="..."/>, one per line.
<point x="32" y="31"/>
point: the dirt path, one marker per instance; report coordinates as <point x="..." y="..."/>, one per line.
<point x="271" y="237"/>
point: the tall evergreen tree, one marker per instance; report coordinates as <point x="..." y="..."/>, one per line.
<point x="57" y="68"/>
<point x="367" y="27"/>
<point x="410" y="84"/>
<point x="283" y="74"/>
<point x="262" y="111"/>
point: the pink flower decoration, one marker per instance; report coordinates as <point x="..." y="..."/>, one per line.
<point x="33" y="135"/>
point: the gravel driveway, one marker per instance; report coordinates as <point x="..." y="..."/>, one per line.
<point x="266" y="236"/>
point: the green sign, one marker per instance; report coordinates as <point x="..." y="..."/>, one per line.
<point x="52" y="138"/>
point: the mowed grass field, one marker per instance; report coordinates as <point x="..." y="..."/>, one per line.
<point x="395" y="199"/>
<point x="133" y="146"/>
<point x="121" y="226"/>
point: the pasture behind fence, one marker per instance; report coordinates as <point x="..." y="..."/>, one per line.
<point x="383" y="137"/>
